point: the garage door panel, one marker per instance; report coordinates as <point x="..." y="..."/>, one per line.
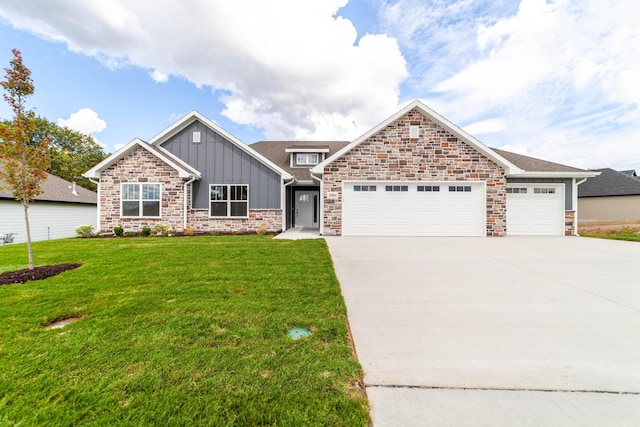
<point x="409" y="212"/>
<point x="534" y="210"/>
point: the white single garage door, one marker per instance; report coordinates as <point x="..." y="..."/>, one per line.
<point x="413" y="209"/>
<point x="535" y="209"/>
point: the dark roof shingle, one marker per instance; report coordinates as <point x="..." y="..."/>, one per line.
<point x="531" y="164"/>
<point x="610" y="183"/>
<point x="276" y="152"/>
<point x="56" y="189"/>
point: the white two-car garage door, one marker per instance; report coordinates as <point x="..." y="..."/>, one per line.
<point x="413" y="209"/>
<point x="535" y="209"/>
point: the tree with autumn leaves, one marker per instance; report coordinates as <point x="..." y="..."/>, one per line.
<point x="23" y="162"/>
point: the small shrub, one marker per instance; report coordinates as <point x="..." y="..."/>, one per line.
<point x="162" y="230"/>
<point x="85" y="230"/>
<point x="129" y="233"/>
<point x="189" y="230"/>
<point x="146" y="231"/>
<point x="261" y="230"/>
<point x="213" y="232"/>
<point x="118" y="230"/>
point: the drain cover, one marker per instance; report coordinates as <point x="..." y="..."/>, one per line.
<point x="61" y="323"/>
<point x="297" y="333"/>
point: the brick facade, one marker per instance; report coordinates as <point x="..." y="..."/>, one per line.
<point x="437" y="155"/>
<point x="570" y="223"/>
<point x="270" y="219"/>
<point x="141" y="166"/>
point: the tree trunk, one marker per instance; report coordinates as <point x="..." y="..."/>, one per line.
<point x="25" y="205"/>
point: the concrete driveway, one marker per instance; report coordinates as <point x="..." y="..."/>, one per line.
<point x="495" y="331"/>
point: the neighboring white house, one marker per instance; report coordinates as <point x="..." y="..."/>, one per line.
<point x="54" y="214"/>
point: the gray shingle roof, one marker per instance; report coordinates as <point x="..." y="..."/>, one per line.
<point x="610" y="183"/>
<point x="531" y="164"/>
<point x="56" y="189"/>
<point x="276" y="152"/>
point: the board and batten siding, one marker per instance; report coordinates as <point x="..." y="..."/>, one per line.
<point x="222" y="162"/>
<point x="47" y="220"/>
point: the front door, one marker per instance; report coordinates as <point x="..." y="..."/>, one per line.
<point x="306" y="208"/>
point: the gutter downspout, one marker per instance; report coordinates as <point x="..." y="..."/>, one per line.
<point x="97" y="183"/>
<point x="575" y="202"/>
<point x="321" y="219"/>
<point x="283" y="203"/>
<point x="186" y="184"/>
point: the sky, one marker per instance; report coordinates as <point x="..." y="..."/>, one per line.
<point x="558" y="80"/>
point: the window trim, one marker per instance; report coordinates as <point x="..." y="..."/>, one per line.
<point x="360" y="188"/>
<point x="140" y="200"/>
<point x="460" y="188"/>
<point x="296" y="164"/>
<point x="228" y="201"/>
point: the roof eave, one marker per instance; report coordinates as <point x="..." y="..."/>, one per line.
<point x="527" y="174"/>
<point x="168" y="158"/>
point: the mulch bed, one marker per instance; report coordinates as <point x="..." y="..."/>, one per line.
<point x="40" y="273"/>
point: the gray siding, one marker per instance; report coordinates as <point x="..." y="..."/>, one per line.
<point x="568" y="187"/>
<point x="222" y="162"/>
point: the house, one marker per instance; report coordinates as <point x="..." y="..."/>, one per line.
<point x="415" y="173"/>
<point x="611" y="196"/>
<point x="54" y="214"/>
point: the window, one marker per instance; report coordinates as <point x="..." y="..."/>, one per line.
<point x="516" y="190"/>
<point x="543" y="190"/>
<point x="229" y="200"/>
<point x="396" y="188"/>
<point x="425" y="188"/>
<point x="459" y="188"/>
<point x="141" y="200"/>
<point x="307" y="159"/>
<point x="364" y="188"/>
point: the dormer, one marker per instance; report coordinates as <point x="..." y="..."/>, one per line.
<point x="306" y="157"/>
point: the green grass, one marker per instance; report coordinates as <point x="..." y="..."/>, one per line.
<point x="178" y="331"/>
<point x="623" y="233"/>
<point x="632" y="237"/>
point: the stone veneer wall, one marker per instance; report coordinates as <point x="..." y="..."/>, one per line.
<point x="269" y="218"/>
<point x="390" y="155"/>
<point x="570" y="223"/>
<point x="136" y="167"/>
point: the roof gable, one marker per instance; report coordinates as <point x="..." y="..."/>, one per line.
<point x="610" y="183"/>
<point x="509" y="167"/>
<point x="194" y="116"/>
<point x="183" y="169"/>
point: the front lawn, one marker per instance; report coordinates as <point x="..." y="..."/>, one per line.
<point x="178" y="331"/>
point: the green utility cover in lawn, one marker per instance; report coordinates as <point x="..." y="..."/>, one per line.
<point x="297" y="333"/>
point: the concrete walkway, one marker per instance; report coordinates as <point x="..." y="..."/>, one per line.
<point x="495" y="331"/>
<point x="298" y="233"/>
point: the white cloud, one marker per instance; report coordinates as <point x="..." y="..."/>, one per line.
<point x="486" y="126"/>
<point x="294" y="68"/>
<point x="159" y="76"/>
<point x="563" y="76"/>
<point x="86" y="121"/>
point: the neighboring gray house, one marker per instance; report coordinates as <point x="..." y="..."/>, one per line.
<point x="611" y="196"/>
<point x="415" y="173"/>
<point x="54" y="214"/>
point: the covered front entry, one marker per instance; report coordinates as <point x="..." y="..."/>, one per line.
<point x="413" y="209"/>
<point x="535" y="209"/>
<point x="306" y="208"/>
